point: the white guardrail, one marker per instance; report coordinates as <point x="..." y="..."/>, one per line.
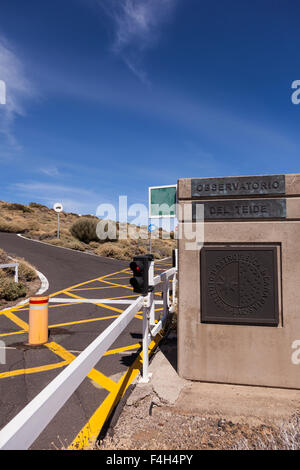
<point x="23" y="429"/>
<point x="12" y="265"/>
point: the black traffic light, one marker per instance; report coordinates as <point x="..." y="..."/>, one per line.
<point x="174" y="260"/>
<point x="140" y="280"/>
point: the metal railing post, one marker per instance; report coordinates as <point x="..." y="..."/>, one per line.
<point x="17" y="273"/>
<point x="12" y="265"/>
<point x="148" y="301"/>
<point x="151" y="295"/>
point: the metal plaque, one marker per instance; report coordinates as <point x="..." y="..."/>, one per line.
<point x="239" y="285"/>
<point x="242" y="209"/>
<point x="238" y="186"/>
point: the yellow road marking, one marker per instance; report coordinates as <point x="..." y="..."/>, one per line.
<point x="117" y="278"/>
<point x="91" y="430"/>
<point x="69" y="293"/>
<point x="22" y="324"/>
<point x="33" y="370"/>
<point x="117" y="285"/>
<point x="125" y="348"/>
<point x="92" y="288"/>
<point x="64" y="324"/>
<point x="99" y="305"/>
<point x="94" y="374"/>
<point x="20" y="332"/>
<point x="53" y="306"/>
<point x="89" y="320"/>
<point x="85" y="282"/>
<point x="102" y="380"/>
<point x="59" y="350"/>
<point x="71" y="287"/>
<point x="124" y="297"/>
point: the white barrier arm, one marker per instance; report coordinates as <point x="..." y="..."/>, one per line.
<point x="95" y="301"/>
<point x="23" y="430"/>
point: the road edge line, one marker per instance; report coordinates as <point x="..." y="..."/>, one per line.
<point x="70" y="249"/>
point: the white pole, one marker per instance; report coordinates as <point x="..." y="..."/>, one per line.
<point x="17" y="273"/>
<point x="150" y="231"/>
<point x="145" y="377"/>
<point x="58" y="225"/>
<point x="151" y="295"/>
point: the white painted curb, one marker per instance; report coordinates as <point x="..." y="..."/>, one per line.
<point x="44" y="283"/>
<point x="44" y="287"/>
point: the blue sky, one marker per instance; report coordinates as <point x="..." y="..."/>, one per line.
<point x="108" y="97"/>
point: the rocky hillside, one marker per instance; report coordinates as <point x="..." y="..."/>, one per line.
<point x="38" y="222"/>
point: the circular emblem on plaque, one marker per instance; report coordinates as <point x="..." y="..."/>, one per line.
<point x="239" y="284"/>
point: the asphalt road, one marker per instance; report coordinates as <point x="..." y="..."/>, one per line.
<point x="72" y="327"/>
<point x="61" y="267"/>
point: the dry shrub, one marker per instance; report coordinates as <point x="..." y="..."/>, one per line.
<point x="124" y="250"/>
<point x="12" y="227"/>
<point x="10" y="290"/>
<point x="40" y="235"/>
<point x="4" y="259"/>
<point x="35" y="205"/>
<point x="110" y="250"/>
<point x="94" y="245"/>
<point x="84" y="230"/>
<point x="130" y="251"/>
<point x="26" y="272"/>
<point x="72" y="244"/>
<point x="17" y="207"/>
<point x="89" y="216"/>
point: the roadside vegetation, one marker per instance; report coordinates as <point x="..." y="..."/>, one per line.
<point x="28" y="281"/>
<point x="38" y="222"/>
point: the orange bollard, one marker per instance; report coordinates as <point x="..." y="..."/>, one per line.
<point x="38" y="320"/>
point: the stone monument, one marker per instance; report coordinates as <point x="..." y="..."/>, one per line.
<point x="239" y="291"/>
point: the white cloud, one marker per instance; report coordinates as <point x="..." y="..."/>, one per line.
<point x="137" y="21"/>
<point x="137" y="26"/>
<point x="18" y="89"/>
<point x="50" y="171"/>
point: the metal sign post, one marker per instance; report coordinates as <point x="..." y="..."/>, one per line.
<point x="58" y="207"/>
<point x="151" y="228"/>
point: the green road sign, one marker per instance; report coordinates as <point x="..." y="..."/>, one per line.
<point x="162" y="201"/>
